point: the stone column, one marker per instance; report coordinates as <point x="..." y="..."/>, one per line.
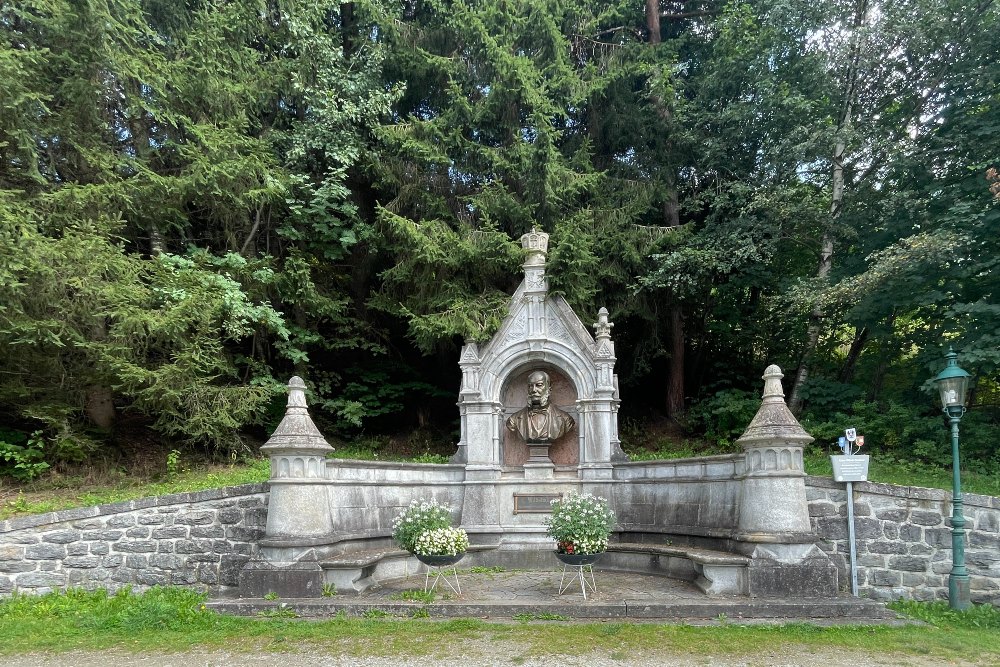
<point x="773" y="524"/>
<point x="298" y="508"/>
<point x="298" y="511"/>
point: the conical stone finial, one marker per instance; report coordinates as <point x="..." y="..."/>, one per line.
<point x="297" y="432"/>
<point x="774" y="423"/>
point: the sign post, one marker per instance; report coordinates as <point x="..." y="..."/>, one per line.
<point x="849" y="467"/>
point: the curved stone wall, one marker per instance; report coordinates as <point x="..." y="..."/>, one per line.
<point x="200" y="539"/>
<point x="903" y="538"/>
<point x="203" y="539"/>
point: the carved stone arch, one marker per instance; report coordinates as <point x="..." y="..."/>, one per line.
<point x="561" y="357"/>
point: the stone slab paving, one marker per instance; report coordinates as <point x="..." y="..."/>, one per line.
<point x="543" y="586"/>
<point x="535" y="593"/>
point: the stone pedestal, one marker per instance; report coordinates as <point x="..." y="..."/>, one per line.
<point x="773" y="527"/>
<point x="298" y="513"/>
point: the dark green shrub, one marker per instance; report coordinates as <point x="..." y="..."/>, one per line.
<point x="724" y="417"/>
<point x="22" y="456"/>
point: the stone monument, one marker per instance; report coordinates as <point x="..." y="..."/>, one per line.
<point x="516" y="457"/>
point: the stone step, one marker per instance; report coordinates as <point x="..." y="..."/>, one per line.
<point x="852" y="611"/>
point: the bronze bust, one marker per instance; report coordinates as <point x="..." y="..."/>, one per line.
<point x="540" y="422"/>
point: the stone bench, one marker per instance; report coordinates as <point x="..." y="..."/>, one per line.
<point x="714" y="572"/>
<point x="357" y="571"/>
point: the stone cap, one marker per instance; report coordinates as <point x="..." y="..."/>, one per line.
<point x="536" y="242"/>
<point x="296" y="433"/>
<point x="774" y="423"/>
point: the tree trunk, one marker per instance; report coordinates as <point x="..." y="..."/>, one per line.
<point x="836" y="204"/>
<point x="671" y="218"/>
<point x="99" y="399"/>
<point x="347" y="27"/>
<point x="851" y="362"/>
<point x="653" y="21"/>
<point x="878" y="378"/>
<point x="675" y="383"/>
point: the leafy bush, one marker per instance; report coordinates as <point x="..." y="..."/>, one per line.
<point x="725" y="416"/>
<point x="22" y="456"/>
<point x="822" y="395"/>
<point x="903" y="430"/>
<point x="914" y="433"/>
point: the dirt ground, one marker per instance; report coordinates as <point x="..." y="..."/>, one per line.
<point x="495" y="654"/>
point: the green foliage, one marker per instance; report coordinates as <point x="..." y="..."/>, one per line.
<point x="173" y="463"/>
<point x="416" y="595"/>
<point x="725" y="416"/>
<point x="43" y="496"/>
<point x="362" y="393"/>
<point x="427" y="457"/>
<point x="941" y="615"/>
<point x="683" y="451"/>
<point x="824" y="396"/>
<point x="22" y="456"/>
<point x="161" y="609"/>
<point x="895" y="429"/>
<point x="196" y="203"/>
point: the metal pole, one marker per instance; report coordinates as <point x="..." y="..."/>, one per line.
<point x="850" y="539"/>
<point x="958" y="581"/>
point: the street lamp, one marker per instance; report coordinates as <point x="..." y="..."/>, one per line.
<point x="952" y="383"/>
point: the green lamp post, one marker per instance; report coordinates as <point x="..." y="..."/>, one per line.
<point x="952" y="384"/>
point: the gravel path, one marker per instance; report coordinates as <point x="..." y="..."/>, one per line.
<point x="471" y="654"/>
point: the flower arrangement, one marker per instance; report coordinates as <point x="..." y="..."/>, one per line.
<point x="441" y="542"/>
<point x="424" y="527"/>
<point x="580" y="524"/>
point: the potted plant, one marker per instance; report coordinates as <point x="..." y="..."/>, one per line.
<point x="581" y="525"/>
<point x="424" y="529"/>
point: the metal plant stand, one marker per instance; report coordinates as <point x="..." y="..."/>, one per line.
<point x="585" y="573"/>
<point x="579" y="567"/>
<point x="439" y="567"/>
<point x="441" y="573"/>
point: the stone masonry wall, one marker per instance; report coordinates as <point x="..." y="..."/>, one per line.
<point x="199" y="539"/>
<point x="903" y="539"/>
<point x="203" y="539"/>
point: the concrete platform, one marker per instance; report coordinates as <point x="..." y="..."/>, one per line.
<point x="535" y="594"/>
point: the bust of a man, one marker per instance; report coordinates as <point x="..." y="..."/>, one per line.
<point x="540" y="422"/>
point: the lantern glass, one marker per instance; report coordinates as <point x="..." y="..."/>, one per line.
<point x="952" y="391"/>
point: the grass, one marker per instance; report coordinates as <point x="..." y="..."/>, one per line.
<point x="415" y="595"/>
<point x="172" y="620"/>
<point x="907" y="473"/>
<point x="50" y="495"/>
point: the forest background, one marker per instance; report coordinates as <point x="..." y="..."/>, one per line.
<point x="201" y="199"/>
